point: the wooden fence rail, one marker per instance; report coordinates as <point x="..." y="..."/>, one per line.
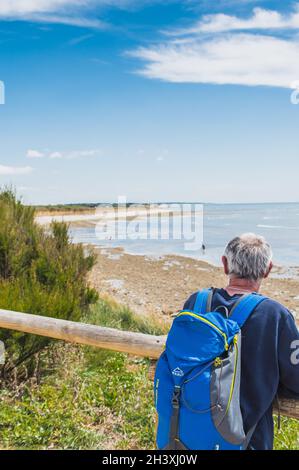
<point x="137" y="344"/>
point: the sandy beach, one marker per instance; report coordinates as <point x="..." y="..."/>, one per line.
<point x="102" y="214"/>
<point x="161" y="285"/>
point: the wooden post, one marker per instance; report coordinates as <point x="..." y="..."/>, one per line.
<point x="137" y="344"/>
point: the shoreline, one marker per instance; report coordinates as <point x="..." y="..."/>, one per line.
<point x="160" y="285"/>
<point x="151" y="284"/>
<point x="89" y="218"/>
<point x="278" y="271"/>
<point x="100" y="216"/>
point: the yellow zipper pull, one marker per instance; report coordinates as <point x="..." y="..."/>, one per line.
<point x="217" y="362"/>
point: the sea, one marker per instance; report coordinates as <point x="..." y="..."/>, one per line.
<point x="277" y="222"/>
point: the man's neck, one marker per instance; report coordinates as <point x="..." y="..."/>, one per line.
<point x="242" y="286"/>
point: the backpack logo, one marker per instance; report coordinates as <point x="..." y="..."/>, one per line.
<point x="178" y="372"/>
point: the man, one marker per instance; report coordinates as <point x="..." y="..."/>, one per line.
<point x="269" y="365"/>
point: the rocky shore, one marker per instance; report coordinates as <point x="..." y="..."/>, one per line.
<point x="160" y="285"/>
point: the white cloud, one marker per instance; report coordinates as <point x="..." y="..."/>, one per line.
<point x="31" y="153"/>
<point x="74" y="154"/>
<point x="260" y="19"/>
<point x="70" y="155"/>
<point x="82" y="153"/>
<point x="68" y="20"/>
<point x="55" y="155"/>
<point x="70" y="12"/>
<point x="19" y="7"/>
<point x="230" y="57"/>
<point x="15" y="170"/>
<point x="51" y="11"/>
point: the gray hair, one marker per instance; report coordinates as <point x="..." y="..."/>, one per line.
<point x="249" y="256"/>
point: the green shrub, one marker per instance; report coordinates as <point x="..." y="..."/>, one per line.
<point x="40" y="273"/>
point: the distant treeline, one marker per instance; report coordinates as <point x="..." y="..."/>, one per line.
<point x="65" y="207"/>
<point x="81" y="207"/>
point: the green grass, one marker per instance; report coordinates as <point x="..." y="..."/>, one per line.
<point x="87" y="398"/>
<point x="107" y="312"/>
<point x="287" y="438"/>
<point x="97" y="400"/>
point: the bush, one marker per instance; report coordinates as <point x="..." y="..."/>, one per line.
<point x="40" y="273"/>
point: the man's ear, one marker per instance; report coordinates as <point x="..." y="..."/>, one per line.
<point x="269" y="270"/>
<point x="225" y="265"/>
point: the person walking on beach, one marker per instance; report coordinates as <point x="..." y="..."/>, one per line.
<point x="269" y="365"/>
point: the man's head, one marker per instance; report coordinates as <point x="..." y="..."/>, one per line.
<point x="248" y="257"/>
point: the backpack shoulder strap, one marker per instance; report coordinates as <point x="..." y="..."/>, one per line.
<point x="203" y="302"/>
<point x="244" y="307"/>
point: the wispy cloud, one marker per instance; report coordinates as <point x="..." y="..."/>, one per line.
<point x="260" y="19"/>
<point x="57" y="155"/>
<point x="75" y="154"/>
<point x="222" y="49"/>
<point x="79" y="39"/>
<point x="34" y="154"/>
<point x="67" y="20"/>
<point x="19" y="7"/>
<point x="15" y="170"/>
<point x="81" y="13"/>
<point x="70" y="12"/>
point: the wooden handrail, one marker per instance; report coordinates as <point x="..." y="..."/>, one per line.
<point x="138" y="344"/>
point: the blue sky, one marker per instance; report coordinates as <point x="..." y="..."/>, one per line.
<point x="155" y="100"/>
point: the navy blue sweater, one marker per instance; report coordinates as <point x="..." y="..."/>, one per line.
<point x="268" y="337"/>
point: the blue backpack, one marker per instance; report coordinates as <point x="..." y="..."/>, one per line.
<point x="197" y="379"/>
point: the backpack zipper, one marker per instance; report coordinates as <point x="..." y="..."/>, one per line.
<point x="204" y="320"/>
<point x="232" y="387"/>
